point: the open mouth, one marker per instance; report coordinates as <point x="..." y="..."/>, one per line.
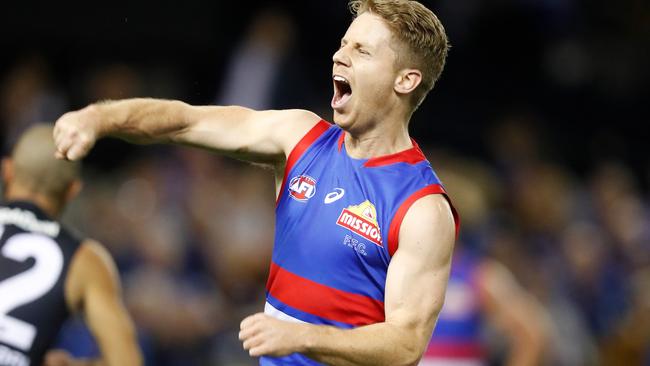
<point x="342" y="91"/>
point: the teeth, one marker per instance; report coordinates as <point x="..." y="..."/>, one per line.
<point x="340" y="79"/>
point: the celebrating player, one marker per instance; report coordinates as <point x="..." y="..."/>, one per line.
<point x="364" y="229"/>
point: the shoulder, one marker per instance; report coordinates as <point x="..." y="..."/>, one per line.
<point x="494" y="276"/>
<point x="291" y="125"/>
<point x="91" y="266"/>
<point x="428" y="227"/>
<point x="94" y="255"/>
<point x="430" y="211"/>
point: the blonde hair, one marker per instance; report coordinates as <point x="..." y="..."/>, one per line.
<point x="417" y="28"/>
<point x="36" y="168"/>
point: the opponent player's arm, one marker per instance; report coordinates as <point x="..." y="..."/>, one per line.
<point x="415" y="290"/>
<point x="515" y="312"/>
<point x="94" y="288"/>
<point x="259" y="136"/>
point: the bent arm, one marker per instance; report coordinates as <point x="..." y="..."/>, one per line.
<point x="415" y="289"/>
<point x="95" y="289"/>
<point x="260" y="136"/>
<point x="515" y="312"/>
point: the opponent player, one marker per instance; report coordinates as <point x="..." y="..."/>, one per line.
<point x="46" y="273"/>
<point x="364" y="230"/>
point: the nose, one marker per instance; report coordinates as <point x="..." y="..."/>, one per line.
<point x="340" y="57"/>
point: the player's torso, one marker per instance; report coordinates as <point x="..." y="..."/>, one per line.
<point x="333" y="239"/>
<point x="35" y="254"/>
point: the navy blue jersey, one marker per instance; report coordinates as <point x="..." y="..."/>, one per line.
<point x="35" y="254"/>
<point x="337" y="226"/>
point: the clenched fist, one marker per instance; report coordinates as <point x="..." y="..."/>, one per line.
<point x="75" y="133"/>
<point x="263" y="335"/>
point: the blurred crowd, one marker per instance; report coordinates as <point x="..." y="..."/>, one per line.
<point x="531" y="129"/>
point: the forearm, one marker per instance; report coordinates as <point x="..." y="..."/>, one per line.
<point x="119" y="346"/>
<point x="376" y="344"/>
<point x="140" y="120"/>
<point x="526" y="349"/>
<point x="524" y="355"/>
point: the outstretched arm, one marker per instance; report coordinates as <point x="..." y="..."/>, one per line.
<point x="259" y="136"/>
<point x="415" y="289"/>
<point x="93" y="287"/>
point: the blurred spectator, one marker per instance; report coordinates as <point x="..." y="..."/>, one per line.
<point x="113" y="81"/>
<point x="28" y="95"/>
<point x="255" y="68"/>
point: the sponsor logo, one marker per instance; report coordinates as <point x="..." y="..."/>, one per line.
<point x="334" y="196"/>
<point x="302" y="188"/>
<point x="361" y="219"/>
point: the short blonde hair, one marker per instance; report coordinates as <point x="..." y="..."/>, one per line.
<point x="420" y="30"/>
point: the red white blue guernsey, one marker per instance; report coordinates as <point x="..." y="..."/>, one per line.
<point x="337" y="226"/>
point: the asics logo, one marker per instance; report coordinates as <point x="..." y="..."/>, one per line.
<point x="334" y="196"/>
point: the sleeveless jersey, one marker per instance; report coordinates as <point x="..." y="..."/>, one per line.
<point x="456" y="341"/>
<point x="337" y="226"/>
<point x="35" y="254"/>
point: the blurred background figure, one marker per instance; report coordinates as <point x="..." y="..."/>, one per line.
<point x="536" y="124"/>
<point x="28" y="94"/>
<point x="257" y="66"/>
<point x="488" y="317"/>
<point x="46" y="272"/>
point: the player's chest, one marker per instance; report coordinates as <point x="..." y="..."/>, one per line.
<point x="336" y="215"/>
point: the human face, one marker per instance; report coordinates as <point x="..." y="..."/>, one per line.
<point x="364" y="72"/>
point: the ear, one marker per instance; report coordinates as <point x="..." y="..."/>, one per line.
<point x="7" y="170"/>
<point x="407" y="81"/>
<point x="73" y="190"/>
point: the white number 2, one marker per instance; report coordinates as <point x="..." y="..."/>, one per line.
<point x="27" y="286"/>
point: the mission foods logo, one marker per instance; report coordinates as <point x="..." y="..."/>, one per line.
<point x="302" y="188"/>
<point x="361" y="219"/>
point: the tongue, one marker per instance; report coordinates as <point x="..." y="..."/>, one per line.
<point x="339" y="100"/>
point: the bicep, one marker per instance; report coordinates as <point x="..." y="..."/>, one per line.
<point x="258" y="136"/>
<point x="419" y="270"/>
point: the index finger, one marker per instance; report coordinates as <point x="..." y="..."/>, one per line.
<point x="59" y="155"/>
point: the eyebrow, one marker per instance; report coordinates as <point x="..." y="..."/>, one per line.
<point x="356" y="44"/>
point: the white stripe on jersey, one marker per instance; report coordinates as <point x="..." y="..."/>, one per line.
<point x="272" y="311"/>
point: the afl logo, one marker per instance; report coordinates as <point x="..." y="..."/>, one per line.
<point x="302" y="188"/>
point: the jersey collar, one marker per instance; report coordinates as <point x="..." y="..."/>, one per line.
<point x="411" y="156"/>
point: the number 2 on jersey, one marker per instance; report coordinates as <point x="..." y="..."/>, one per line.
<point x="26" y="286"/>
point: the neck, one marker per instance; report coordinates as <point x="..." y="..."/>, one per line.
<point x="51" y="207"/>
<point x="384" y="138"/>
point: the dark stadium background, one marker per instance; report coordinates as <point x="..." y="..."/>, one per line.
<point x="500" y="61"/>
<point x="561" y="83"/>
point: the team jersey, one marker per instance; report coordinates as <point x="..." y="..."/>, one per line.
<point x="457" y="339"/>
<point x="337" y="225"/>
<point x="35" y="254"/>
